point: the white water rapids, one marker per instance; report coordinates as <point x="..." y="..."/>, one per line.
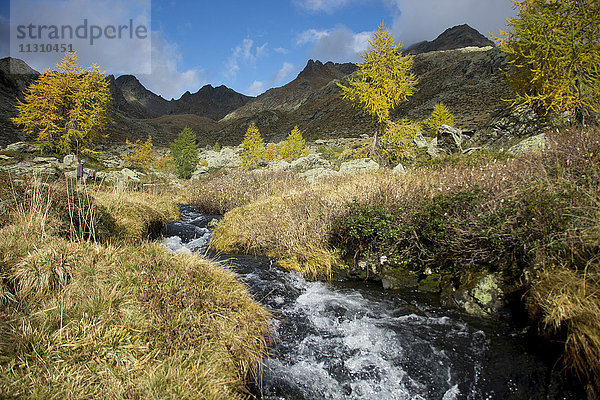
<point x="355" y="341"/>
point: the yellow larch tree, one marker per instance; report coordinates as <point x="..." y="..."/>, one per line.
<point x="66" y="110"/>
<point x="385" y="79"/>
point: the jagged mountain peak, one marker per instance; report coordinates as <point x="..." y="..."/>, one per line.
<point x="457" y="37"/>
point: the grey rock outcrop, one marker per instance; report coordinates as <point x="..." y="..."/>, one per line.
<point x="533" y="143"/>
<point x="360" y="165"/>
<point x="310" y="161"/>
<point x="450" y="140"/>
<point x="315" y="174"/>
<point x="226" y="158"/>
<point x="125" y="175"/>
<point x="280" y="165"/>
<point x="23" y="147"/>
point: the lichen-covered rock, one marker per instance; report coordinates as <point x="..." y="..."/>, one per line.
<point x="226" y="158"/>
<point x="310" y="161"/>
<point x="123" y="176"/>
<point x="316" y="173"/>
<point x="484" y="295"/>
<point x="280" y="165"/>
<point x="399" y="278"/>
<point x="200" y="171"/>
<point x="450" y="140"/>
<point x="23" y="147"/>
<point x="359" y="166"/>
<point x="531" y="144"/>
<point x="399" y="169"/>
<point x="70" y="161"/>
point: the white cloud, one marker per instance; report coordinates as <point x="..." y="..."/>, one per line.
<point x="322" y="5"/>
<point x="339" y="44"/>
<point x="281" y="50"/>
<point x="311" y="36"/>
<point x="256" y="88"/>
<point x="116" y="49"/>
<point x="415" y="21"/>
<point x="165" y="78"/>
<point x="284" y="72"/>
<point x="245" y="52"/>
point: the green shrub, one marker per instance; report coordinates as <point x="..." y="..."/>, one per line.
<point x="185" y="153"/>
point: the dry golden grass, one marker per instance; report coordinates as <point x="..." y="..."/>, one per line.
<point x="82" y="319"/>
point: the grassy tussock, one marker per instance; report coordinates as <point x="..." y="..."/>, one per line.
<point x="82" y="319"/>
<point x="135" y="215"/>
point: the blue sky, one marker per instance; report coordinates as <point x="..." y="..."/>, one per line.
<point x="251" y="46"/>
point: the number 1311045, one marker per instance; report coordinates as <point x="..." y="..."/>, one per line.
<point x="45" y="48"/>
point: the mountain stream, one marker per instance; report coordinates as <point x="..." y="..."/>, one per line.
<point x="352" y="340"/>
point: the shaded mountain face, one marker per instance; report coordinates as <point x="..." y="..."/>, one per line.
<point x="138" y="102"/>
<point x="457" y="37"/>
<point x="15" y="77"/>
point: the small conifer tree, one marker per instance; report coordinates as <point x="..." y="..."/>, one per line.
<point x="185" y="153"/>
<point x="385" y="79"/>
<point x="253" y="148"/>
<point x="440" y="116"/>
<point x="294" y="147"/>
<point x="397" y="142"/>
<point x="142" y="155"/>
<point x="271" y="152"/>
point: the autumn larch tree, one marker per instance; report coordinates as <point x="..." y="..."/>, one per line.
<point x="385" y="79"/>
<point x="294" y="147"/>
<point x="253" y="148"/>
<point x="66" y="110"/>
<point x="554" y="54"/>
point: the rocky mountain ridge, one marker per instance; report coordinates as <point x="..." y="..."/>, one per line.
<point x="468" y="80"/>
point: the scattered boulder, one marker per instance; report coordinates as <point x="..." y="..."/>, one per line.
<point x="399" y="169"/>
<point x="483" y="296"/>
<point x="70" y="161"/>
<point x="200" y="170"/>
<point x="317" y="173"/>
<point x="280" y="165"/>
<point x="226" y="158"/>
<point x="531" y="144"/>
<point x="360" y="165"/>
<point x="123" y="176"/>
<point x="23" y="147"/>
<point x="420" y="140"/>
<point x="310" y="161"/>
<point x="450" y="140"/>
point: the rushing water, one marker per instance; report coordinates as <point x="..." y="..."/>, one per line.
<point x="353" y="341"/>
